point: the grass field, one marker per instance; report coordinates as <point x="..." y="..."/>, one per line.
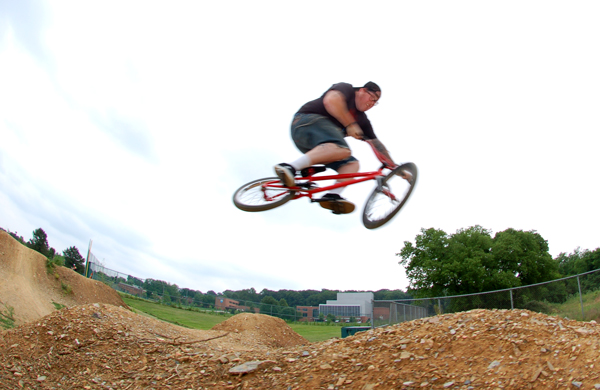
<point x="206" y="320"/>
<point x="315" y="332"/>
<point x="572" y="307"/>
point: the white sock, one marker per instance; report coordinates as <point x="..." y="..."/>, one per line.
<point x="336" y="190"/>
<point x="301" y="163"/>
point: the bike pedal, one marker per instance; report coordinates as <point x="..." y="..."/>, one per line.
<point x="309" y="185"/>
<point x="312" y="170"/>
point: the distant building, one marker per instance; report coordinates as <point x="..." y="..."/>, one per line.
<point x="309" y="313"/>
<point x="347" y="305"/>
<point x="133" y="290"/>
<point x="222" y="303"/>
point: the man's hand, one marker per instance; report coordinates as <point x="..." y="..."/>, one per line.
<point x="405" y="175"/>
<point x="355" y="131"/>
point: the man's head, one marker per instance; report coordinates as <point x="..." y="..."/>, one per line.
<point x="367" y="96"/>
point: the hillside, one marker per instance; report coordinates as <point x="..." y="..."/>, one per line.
<point x="33" y="292"/>
<point x="97" y="343"/>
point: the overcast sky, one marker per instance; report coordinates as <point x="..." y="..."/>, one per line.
<point x="131" y="124"/>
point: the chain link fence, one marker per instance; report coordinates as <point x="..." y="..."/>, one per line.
<point x="574" y="297"/>
<point x="166" y="295"/>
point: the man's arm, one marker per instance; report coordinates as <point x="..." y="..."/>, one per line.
<point x="380" y="147"/>
<point x="335" y="104"/>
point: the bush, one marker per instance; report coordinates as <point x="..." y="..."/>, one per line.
<point x="55" y="261"/>
<point x="538" y="306"/>
<point x="7" y="319"/>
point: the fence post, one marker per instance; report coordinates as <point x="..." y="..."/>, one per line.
<point x="439" y="306"/>
<point x="372" y="314"/>
<point x="580" y="299"/>
<point x="511" y="300"/>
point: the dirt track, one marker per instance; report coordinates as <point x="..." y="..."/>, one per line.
<point x="94" y="344"/>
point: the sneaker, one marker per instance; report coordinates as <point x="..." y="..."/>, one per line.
<point x="336" y="204"/>
<point x="286" y="173"/>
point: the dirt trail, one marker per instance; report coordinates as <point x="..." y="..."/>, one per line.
<point x="103" y="345"/>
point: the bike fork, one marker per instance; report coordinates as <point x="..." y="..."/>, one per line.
<point x="379" y="180"/>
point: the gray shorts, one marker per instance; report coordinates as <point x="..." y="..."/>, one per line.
<point x="311" y="130"/>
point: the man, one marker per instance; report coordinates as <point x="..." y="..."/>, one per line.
<point x="319" y="128"/>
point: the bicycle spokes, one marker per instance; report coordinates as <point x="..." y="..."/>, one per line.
<point x="261" y="195"/>
<point x="389" y="196"/>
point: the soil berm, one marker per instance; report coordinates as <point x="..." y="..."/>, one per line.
<point x="96" y="342"/>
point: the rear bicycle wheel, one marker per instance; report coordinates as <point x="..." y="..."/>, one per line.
<point x="386" y="200"/>
<point x="262" y="194"/>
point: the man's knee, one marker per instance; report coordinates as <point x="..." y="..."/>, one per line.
<point x="336" y="151"/>
<point x="351" y="167"/>
<point x="342" y="152"/>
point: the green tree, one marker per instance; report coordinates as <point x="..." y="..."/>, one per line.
<point x="390" y="295"/>
<point x="578" y="262"/>
<point x="526" y="255"/>
<point x="39" y="243"/>
<point x="16" y="236"/>
<point x="470" y="261"/>
<point x="57" y="260"/>
<point x="269" y="305"/>
<point x="440" y="264"/>
<point x="321" y="297"/>
<point x="166" y="298"/>
<point x="73" y="259"/>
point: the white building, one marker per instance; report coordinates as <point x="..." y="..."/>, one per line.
<point x="349" y="305"/>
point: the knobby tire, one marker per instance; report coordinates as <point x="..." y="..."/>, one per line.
<point x="380" y="208"/>
<point x="251" y="197"/>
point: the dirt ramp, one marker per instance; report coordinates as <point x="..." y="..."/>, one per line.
<point x="26" y="285"/>
<point x="262" y="329"/>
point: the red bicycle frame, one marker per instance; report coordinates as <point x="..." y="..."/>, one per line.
<point x="305" y="185"/>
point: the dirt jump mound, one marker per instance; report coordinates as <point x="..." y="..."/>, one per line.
<point x="262" y="329"/>
<point x="96" y="343"/>
<point x="33" y="291"/>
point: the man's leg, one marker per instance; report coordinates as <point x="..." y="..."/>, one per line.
<point x="321" y="154"/>
<point x="320" y="140"/>
<point x="327" y="153"/>
<point x="333" y="200"/>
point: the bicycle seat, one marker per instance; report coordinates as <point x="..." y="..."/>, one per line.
<point x="312" y="170"/>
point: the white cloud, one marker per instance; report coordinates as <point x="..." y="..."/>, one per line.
<point x="132" y="124"/>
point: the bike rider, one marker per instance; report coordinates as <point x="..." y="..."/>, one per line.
<point x="319" y="128"/>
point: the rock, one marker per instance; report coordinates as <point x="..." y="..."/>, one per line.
<point x="247" y="367"/>
<point x="536" y="375"/>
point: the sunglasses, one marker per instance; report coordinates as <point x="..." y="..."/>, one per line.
<point x="375" y="98"/>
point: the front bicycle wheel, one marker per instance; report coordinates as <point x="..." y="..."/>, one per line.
<point x="389" y="196"/>
<point x="262" y="194"/>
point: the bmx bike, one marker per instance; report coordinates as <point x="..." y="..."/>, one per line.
<point x="394" y="185"/>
